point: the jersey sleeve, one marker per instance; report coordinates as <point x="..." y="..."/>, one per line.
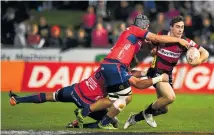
<point x="192" y="43"/>
<point x="141" y="33"/>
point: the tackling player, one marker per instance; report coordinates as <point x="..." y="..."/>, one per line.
<point x="165" y="59"/>
<point x="115" y="66"/>
<point x="85" y="93"/>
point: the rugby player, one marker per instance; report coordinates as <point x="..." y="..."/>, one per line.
<point x="114" y="69"/>
<point x="85" y="93"/>
<point x="165" y="59"/>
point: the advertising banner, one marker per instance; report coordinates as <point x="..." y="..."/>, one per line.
<point x="12" y="75"/>
<point x="50" y="76"/>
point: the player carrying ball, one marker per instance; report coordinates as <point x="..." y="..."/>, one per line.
<point x="165" y="59"/>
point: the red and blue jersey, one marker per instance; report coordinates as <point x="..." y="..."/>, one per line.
<point x="92" y="88"/>
<point x="167" y="55"/>
<point x="128" y="44"/>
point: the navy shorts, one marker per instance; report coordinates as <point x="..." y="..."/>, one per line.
<point x="114" y="73"/>
<point x="68" y="94"/>
<point x="152" y="72"/>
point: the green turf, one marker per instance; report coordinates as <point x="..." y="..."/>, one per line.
<point x="189" y="113"/>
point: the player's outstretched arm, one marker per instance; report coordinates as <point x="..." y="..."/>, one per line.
<point x="145" y="83"/>
<point x="166" y="39"/>
<point x="204" y="54"/>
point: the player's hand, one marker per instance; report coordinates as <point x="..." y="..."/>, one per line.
<point x="195" y="62"/>
<point x="184" y="43"/>
<point x="136" y="73"/>
<point x="165" y="77"/>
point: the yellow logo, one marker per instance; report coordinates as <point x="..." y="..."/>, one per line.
<point x="154" y="61"/>
<point x="121" y="87"/>
<point x="121" y="106"/>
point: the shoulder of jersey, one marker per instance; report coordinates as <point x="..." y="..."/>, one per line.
<point x="163" y="32"/>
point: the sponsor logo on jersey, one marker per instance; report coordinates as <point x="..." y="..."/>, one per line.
<point x="169" y="53"/>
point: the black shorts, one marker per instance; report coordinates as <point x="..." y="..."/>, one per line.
<point x="152" y="72"/>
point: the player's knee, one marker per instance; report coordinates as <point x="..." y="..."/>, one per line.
<point x="120" y="103"/>
<point x="58" y="95"/>
<point x="171" y="98"/>
<point x="124" y="97"/>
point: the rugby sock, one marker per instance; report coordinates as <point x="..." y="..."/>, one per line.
<point x="38" y="98"/>
<point x="114" y="122"/>
<point x="106" y="120"/>
<point x="150" y="110"/>
<point x="159" y="112"/>
<point x="139" y="116"/>
<point x="86" y="111"/>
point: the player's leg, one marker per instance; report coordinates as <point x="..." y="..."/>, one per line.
<point x="168" y="97"/>
<point x="96" y="116"/>
<point x="35" y="98"/>
<point x="168" y="94"/>
<point x="96" y="111"/>
<point x="134" y="118"/>
<point x="124" y="99"/>
<point x="62" y="95"/>
<point x="101" y="104"/>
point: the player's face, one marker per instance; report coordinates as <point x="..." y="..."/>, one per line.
<point x="177" y="29"/>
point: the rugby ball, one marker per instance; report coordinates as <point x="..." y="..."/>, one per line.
<point x="192" y="54"/>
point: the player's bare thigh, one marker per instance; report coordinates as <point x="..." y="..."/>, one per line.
<point x="164" y="89"/>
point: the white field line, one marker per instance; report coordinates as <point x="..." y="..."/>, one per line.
<point x="32" y="132"/>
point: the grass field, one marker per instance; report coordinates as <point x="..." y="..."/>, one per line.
<point x="189" y="113"/>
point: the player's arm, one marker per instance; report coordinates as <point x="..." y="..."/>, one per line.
<point x="204" y="54"/>
<point x="145" y="83"/>
<point x="138" y="73"/>
<point x="166" y="39"/>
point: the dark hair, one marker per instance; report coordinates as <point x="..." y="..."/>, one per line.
<point x="176" y="19"/>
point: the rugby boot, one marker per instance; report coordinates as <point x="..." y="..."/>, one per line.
<point x="149" y="119"/>
<point x="73" y="124"/>
<point x="108" y="126"/>
<point x="80" y="117"/>
<point x="12" y="96"/>
<point x="131" y="121"/>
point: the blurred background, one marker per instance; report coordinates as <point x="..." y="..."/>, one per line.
<point x="97" y="24"/>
